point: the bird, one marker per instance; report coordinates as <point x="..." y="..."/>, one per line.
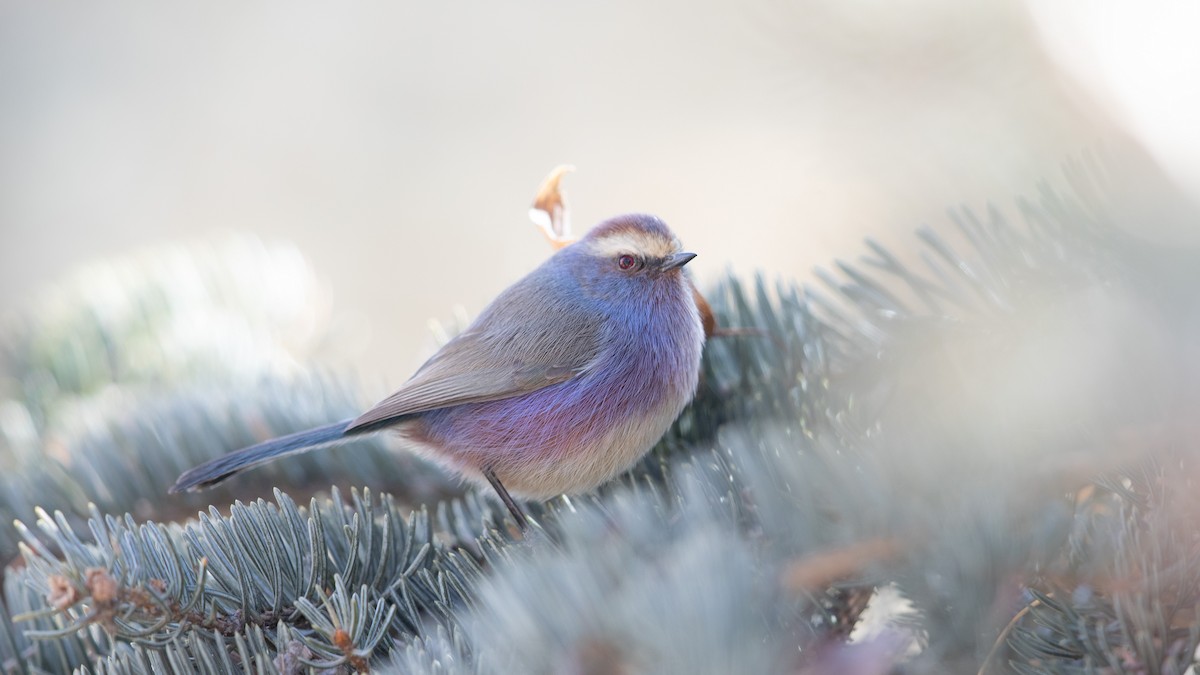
<point x="565" y="380"/>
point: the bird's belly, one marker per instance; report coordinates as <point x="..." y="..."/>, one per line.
<point x="583" y="463"/>
<point x="566" y="438"/>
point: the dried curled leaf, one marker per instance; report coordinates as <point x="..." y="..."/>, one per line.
<point x="549" y="210"/>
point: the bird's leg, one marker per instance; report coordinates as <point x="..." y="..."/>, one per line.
<point x="518" y="514"/>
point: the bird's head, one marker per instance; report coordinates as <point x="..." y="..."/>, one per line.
<point x="631" y="251"/>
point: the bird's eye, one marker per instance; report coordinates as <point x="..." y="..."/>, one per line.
<point x="626" y="262"/>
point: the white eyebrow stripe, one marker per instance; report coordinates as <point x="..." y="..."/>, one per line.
<point x="633" y="242"/>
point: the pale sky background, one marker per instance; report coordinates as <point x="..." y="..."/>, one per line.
<point x="398" y="145"/>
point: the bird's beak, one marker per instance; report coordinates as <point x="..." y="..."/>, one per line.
<point x="678" y="260"/>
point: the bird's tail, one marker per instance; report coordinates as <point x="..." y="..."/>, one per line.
<point x="211" y="473"/>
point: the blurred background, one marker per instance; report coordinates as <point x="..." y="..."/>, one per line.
<point x="398" y="145"/>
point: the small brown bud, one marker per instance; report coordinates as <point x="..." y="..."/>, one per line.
<point x="342" y="640"/>
<point x="62" y="592"/>
<point x="102" y="586"/>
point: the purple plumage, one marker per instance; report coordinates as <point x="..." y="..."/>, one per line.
<point x="565" y="380"/>
<point x="573" y="435"/>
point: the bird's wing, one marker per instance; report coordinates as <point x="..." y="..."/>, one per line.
<point x="533" y="335"/>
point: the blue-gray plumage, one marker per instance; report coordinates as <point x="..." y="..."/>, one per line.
<point x="566" y="379"/>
